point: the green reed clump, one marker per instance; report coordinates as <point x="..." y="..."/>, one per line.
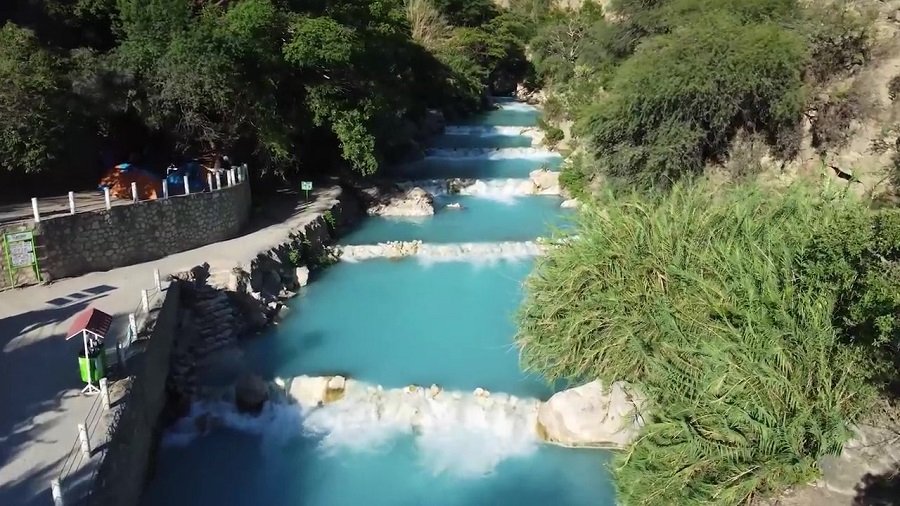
<point x="695" y="297"/>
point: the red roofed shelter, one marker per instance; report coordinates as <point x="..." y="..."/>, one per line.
<point x="92" y="325"/>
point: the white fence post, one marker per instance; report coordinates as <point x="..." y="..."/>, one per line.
<point x="106" y="198"/>
<point x="134" y="193"/>
<point x="218" y="180"/>
<point x="209" y="181"/>
<point x="187" y="187"/>
<point x="165" y="188"/>
<point x="104" y="392"/>
<point x="56" y="492"/>
<point x="34" y="208"/>
<point x="132" y="324"/>
<point x="145" y="300"/>
<point x="85" y="442"/>
<point x="157" y="280"/>
<point x="71" y="202"/>
<point x="232" y="176"/>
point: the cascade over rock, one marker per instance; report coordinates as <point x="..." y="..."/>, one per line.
<point x="412" y="202"/>
<point x="441" y="252"/>
<point x="592" y="416"/>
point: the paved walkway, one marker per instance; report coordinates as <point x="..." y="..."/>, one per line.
<point x="40" y="403"/>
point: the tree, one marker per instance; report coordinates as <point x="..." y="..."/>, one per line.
<point x="33" y="104"/>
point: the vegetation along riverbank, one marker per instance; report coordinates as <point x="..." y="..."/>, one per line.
<point x="738" y="251"/>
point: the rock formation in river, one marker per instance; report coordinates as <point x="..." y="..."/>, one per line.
<point x="546" y="182"/>
<point x="592" y="416"/>
<point x="250" y="394"/>
<point x="412" y="202"/>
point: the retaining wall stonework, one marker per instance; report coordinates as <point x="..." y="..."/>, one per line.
<point x="125" y="235"/>
<point x="123" y="472"/>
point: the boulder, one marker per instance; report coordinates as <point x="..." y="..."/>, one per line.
<point x="545" y="182"/>
<point x="570" y="204"/>
<point x="454" y="205"/>
<point x="458" y="184"/>
<point x="413" y="202"/>
<point x="251" y="394"/>
<point x="308" y="392"/>
<point x="592" y="416"/>
<point x="302" y="275"/>
<point x="334" y="389"/>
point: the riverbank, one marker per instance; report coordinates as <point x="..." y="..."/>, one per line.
<point x="41" y="409"/>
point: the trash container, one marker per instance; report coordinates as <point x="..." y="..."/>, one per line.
<point x="97" y="362"/>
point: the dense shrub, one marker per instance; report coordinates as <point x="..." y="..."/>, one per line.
<point x="573" y="177"/>
<point x="552" y="134"/>
<point x="660" y="88"/>
<point x="830" y="127"/>
<point x="679" y="99"/>
<point x="696" y="298"/>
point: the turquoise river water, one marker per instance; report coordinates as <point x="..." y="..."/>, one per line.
<point x="448" y="321"/>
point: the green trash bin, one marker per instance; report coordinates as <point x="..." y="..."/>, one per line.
<point x="97" y="362"/>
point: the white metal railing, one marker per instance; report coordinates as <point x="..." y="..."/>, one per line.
<point x="93" y="432"/>
<point x="232" y="177"/>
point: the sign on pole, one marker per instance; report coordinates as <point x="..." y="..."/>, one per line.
<point x="20" y="254"/>
<point x="306" y="186"/>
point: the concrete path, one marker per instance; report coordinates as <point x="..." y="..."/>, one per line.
<point x="40" y="400"/>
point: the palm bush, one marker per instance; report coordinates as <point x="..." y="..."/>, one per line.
<point x="695" y="298"/>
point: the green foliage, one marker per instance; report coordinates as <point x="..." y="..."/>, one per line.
<point x="552" y="134"/>
<point x="697" y="297"/>
<point x="33" y="107"/>
<point x="574" y="177"/>
<point x="859" y="258"/>
<point x="678" y="99"/>
<point x="467" y="12"/>
<point x="290" y="86"/>
<point x="661" y="87"/>
<point x="329" y="220"/>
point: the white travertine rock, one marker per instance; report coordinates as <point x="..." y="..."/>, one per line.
<point x="592" y="416"/>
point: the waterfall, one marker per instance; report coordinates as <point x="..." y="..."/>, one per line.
<point x="491" y="154"/>
<point x="488" y="130"/>
<point x="481" y="252"/>
<point x="502" y="190"/>
<point x="465" y="434"/>
<point x="459" y="433"/>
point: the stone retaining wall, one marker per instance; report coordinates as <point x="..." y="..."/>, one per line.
<point x="134" y="434"/>
<point x="125" y="235"/>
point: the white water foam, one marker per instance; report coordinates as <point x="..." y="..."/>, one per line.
<point x="488" y="130"/>
<point x="491" y="153"/>
<point x="457" y="433"/>
<point x="429" y="253"/>
<point x="516" y="106"/>
<point x="500" y="190"/>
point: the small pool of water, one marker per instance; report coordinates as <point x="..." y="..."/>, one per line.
<point x="480" y="220"/>
<point x="232" y="468"/>
<point x="396" y="322"/>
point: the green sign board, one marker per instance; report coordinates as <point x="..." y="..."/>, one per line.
<point x="306" y="186"/>
<point x="20" y="253"/>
